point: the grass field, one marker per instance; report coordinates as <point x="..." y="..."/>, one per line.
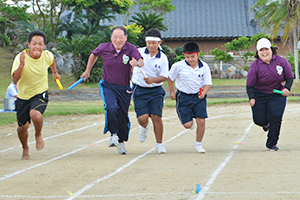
<point x="94" y="107"/>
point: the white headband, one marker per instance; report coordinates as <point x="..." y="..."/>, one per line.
<point x="152" y="38"/>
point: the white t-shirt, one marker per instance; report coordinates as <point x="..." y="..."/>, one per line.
<point x="155" y="66"/>
<point x="189" y="80"/>
<point x="11" y="91"/>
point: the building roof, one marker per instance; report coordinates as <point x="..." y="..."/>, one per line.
<point x="210" y="19"/>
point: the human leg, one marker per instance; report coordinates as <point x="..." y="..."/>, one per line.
<point x="200" y="129"/>
<point x="23" y="137"/>
<point x="109" y="98"/>
<point x="38" y="106"/>
<point x="199" y="135"/>
<point x="37" y="119"/>
<point x="276" y="107"/>
<point x="158" y="127"/>
<point x="143" y="121"/>
<point x="123" y="95"/>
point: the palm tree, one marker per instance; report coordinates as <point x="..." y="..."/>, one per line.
<point x="78" y="45"/>
<point x="281" y="15"/>
<point x="148" y="21"/>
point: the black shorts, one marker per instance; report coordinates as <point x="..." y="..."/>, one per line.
<point x="39" y="102"/>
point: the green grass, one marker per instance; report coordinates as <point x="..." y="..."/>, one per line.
<point x="96" y="107"/>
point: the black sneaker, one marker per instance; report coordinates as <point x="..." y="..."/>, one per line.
<point x="266" y="128"/>
<point x="273" y="148"/>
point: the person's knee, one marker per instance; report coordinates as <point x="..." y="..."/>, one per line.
<point x="35" y="115"/>
<point x="188" y="125"/>
<point x="24" y="128"/>
<point x="143" y="119"/>
<point x="156" y="118"/>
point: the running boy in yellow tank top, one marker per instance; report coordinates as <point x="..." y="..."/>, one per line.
<point x="30" y="74"/>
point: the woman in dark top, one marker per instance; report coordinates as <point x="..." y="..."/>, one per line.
<point x="268" y="72"/>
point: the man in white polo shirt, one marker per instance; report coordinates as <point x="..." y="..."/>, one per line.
<point x="191" y="76"/>
<point x="148" y="93"/>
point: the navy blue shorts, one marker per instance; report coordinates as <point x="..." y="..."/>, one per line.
<point x="38" y="102"/>
<point x="189" y="106"/>
<point x="148" y="100"/>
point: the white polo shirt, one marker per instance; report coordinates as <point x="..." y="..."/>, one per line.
<point x="189" y="80"/>
<point x="155" y="66"/>
<point x="11" y="91"/>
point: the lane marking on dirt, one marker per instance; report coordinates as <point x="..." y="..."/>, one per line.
<point x="64" y="155"/>
<point x="213" y="177"/>
<point x="87" y="187"/>
<point x="142" y="194"/>
<point x="54" y="136"/>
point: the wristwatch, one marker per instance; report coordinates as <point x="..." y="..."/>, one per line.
<point x="138" y="63"/>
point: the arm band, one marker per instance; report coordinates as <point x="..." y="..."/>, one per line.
<point x="250" y="92"/>
<point x="289" y="83"/>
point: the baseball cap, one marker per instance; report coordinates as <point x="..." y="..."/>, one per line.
<point x="263" y="43"/>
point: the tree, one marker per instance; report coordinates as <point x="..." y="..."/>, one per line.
<point x="46" y="14"/>
<point x="281" y="15"/>
<point x="147" y="21"/>
<point x="160" y="7"/>
<point x="10" y="18"/>
<point x="240" y="46"/>
<point x="78" y="45"/>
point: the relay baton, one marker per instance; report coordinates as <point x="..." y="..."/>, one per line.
<point x="59" y="84"/>
<point x="200" y="91"/>
<point x="76" y="83"/>
<point x="278" y="91"/>
<point x="144" y="75"/>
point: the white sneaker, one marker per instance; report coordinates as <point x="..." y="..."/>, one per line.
<point x="143" y="133"/>
<point x="161" y="149"/>
<point x="114" y="141"/>
<point x="122" y="149"/>
<point x="194" y="124"/>
<point x="199" y="149"/>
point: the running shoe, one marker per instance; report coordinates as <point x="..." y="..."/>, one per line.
<point x="114" y="141"/>
<point x="143" y="133"/>
<point x="161" y="149"/>
<point x="273" y="148"/>
<point x="121" y="148"/>
<point x="199" y="149"/>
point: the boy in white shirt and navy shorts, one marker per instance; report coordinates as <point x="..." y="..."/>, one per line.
<point x="193" y="80"/>
<point x="148" y="93"/>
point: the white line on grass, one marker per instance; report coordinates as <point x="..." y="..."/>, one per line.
<point x="213" y="177"/>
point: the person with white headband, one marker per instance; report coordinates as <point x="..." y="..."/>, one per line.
<point x="268" y="72"/>
<point x="148" y="93"/>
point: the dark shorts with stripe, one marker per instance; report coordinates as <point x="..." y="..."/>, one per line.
<point x="38" y="102"/>
<point x="189" y="106"/>
<point x="148" y="100"/>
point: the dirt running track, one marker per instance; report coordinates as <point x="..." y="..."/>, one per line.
<point x="77" y="163"/>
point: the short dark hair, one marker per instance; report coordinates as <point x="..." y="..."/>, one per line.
<point x="153" y="32"/>
<point x="273" y="49"/>
<point x="121" y="28"/>
<point x="191" y="47"/>
<point x="37" y="33"/>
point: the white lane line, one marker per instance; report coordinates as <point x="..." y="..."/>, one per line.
<point x="54" y="136"/>
<point x="143" y="194"/>
<point x="40" y="164"/>
<point x="213" y="177"/>
<point x="87" y="187"/>
<point x="56" y="158"/>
